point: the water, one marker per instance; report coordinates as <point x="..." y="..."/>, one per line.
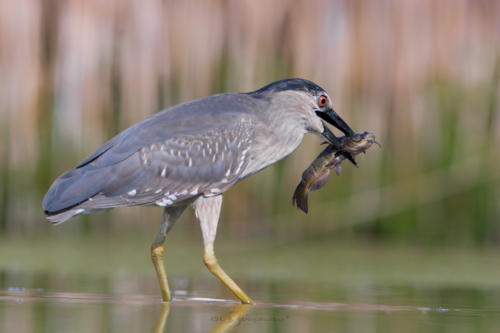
<point x="65" y="303"/>
<point x="109" y="285"/>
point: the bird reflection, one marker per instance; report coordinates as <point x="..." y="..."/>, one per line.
<point x="224" y="323"/>
<point x="162" y="317"/>
<point x="231" y="319"/>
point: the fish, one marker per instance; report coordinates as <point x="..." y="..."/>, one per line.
<point x="316" y="175"/>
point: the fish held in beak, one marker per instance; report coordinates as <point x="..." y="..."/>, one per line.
<point x="316" y="175"/>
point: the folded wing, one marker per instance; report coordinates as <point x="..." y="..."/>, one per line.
<point x="162" y="173"/>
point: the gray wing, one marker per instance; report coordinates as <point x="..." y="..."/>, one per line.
<point x="163" y="172"/>
<point x="192" y="118"/>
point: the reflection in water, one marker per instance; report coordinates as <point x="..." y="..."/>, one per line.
<point x="231" y="319"/>
<point x="28" y="304"/>
<point x="224" y="323"/>
<point x="162" y="317"/>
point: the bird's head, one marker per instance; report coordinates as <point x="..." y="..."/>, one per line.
<point x="308" y="101"/>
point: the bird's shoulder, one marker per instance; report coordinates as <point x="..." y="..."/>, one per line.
<point x="188" y="120"/>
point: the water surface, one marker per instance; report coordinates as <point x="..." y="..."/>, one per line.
<point x="106" y="285"/>
<point x="280" y="307"/>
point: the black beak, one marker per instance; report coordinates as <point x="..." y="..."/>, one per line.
<point x="330" y="137"/>
<point x="334" y="119"/>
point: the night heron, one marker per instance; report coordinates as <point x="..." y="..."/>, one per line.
<point x="190" y="154"/>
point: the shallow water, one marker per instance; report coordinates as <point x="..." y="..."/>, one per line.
<point x="109" y="285"/>
<point x="281" y="306"/>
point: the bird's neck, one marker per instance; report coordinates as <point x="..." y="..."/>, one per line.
<point x="274" y="140"/>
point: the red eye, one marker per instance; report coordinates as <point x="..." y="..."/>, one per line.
<point x="322" y="101"/>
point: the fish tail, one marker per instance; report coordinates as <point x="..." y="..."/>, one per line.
<point x="300" y="197"/>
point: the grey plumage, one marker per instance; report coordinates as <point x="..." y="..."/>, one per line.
<point x="197" y="148"/>
<point x="156" y="154"/>
<point x="190" y="154"/>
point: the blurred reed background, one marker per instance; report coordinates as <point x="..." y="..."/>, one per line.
<point x="423" y="76"/>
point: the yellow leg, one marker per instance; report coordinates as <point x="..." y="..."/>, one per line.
<point x="208" y="211"/>
<point x="213" y="266"/>
<point x="157" y="257"/>
<point x="170" y="215"/>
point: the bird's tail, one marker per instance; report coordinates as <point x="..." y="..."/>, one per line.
<point x="60" y="217"/>
<point x="68" y="192"/>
